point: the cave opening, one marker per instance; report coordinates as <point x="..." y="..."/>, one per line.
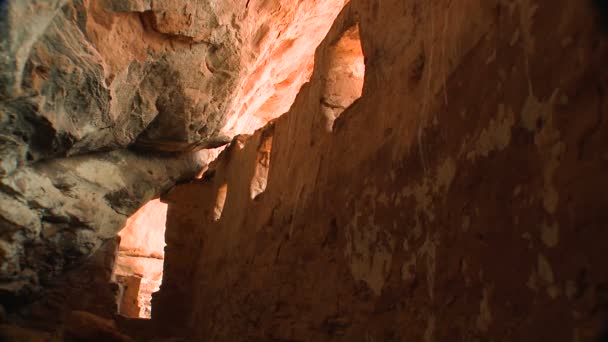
<point x="138" y="269"/>
<point x="345" y="75"/>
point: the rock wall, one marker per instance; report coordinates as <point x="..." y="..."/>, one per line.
<point x="461" y="197"/>
<point x="57" y="213"/>
<point x="104" y="103"/>
<point x="81" y="302"/>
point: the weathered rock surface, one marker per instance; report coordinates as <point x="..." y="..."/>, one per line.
<point x="90" y="90"/>
<point x="58" y="212"/>
<point x="171" y="75"/>
<point x="456" y="191"/>
<point x="462" y="197"/>
<point x="85" y="287"/>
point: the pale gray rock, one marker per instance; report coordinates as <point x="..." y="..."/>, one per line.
<point x="56" y="213"/>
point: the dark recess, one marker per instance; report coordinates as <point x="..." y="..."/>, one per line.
<point x="602" y="7"/>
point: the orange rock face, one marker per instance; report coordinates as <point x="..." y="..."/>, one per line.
<point x="139" y="264"/>
<point x="235" y="65"/>
<point x="460" y="197"/>
<point x="144" y="233"/>
<point x="440" y="175"/>
<point x="286" y="35"/>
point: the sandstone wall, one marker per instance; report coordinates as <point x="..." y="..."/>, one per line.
<point x="462" y="197"/>
<point x="103" y="103"/>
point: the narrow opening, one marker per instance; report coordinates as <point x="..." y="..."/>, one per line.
<point x="345" y="75"/>
<point x="138" y="269"/>
<point x="219" y="202"/>
<point x="262" y="164"/>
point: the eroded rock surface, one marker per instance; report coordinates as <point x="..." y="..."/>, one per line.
<point x="441" y="177"/>
<point x="171" y="75"/>
<point x="58" y="212"/>
<point x="92" y="90"/>
<point x="461" y="197"/>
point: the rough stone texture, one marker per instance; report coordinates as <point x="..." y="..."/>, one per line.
<point x="86" y="287"/>
<point x="82" y="305"/>
<point x="57" y="213"/>
<point x="91" y="90"/>
<point x="462" y="197"/>
<point x="93" y="75"/>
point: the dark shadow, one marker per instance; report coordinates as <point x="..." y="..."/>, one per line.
<point x="602" y="7"/>
<point x="603" y="336"/>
